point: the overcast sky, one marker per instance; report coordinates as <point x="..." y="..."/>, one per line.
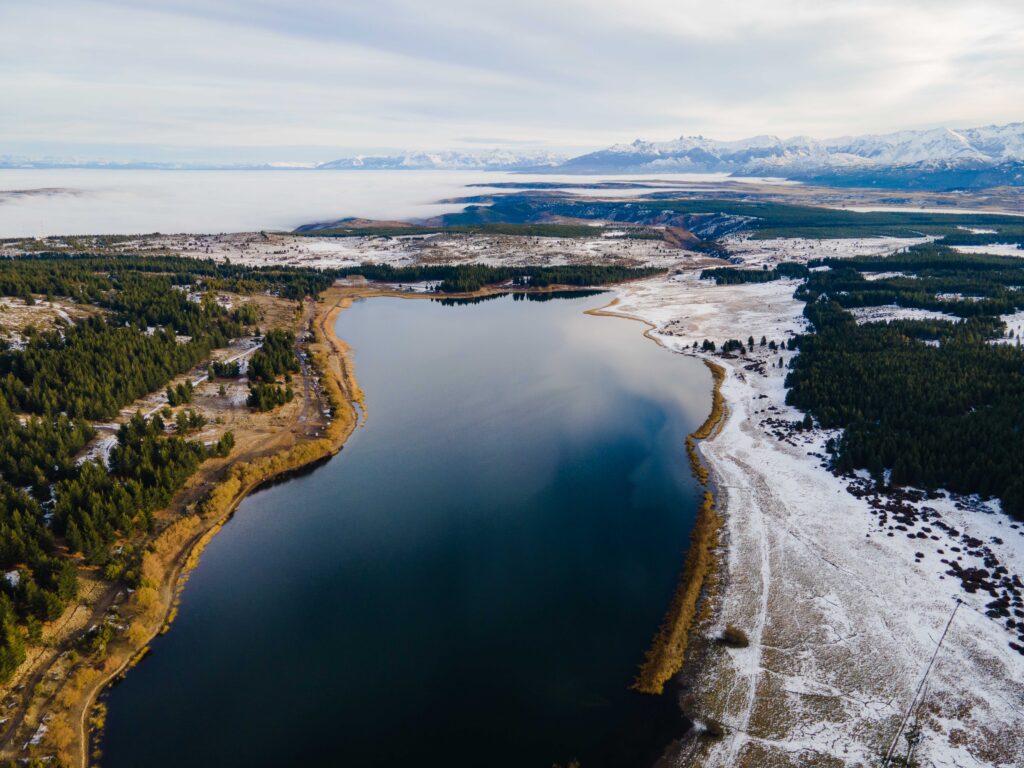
<point x="309" y="79"/>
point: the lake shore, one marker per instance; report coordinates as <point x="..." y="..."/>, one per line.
<point x="239" y="479"/>
<point x="666" y="656"/>
<point x="690" y="604"/>
<point x="841" y="614"/>
<point x="371" y="330"/>
<point x="61" y="716"/>
<point x="860" y="632"/>
<point x="181" y="545"/>
<point x="680" y="646"/>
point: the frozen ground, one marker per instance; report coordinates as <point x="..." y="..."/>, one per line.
<point x="498" y="250"/>
<point x="886" y="275"/>
<point x="771" y="251"/>
<point x="845" y="594"/>
<point x="999" y="249"/>
<point x="1014" y="328"/>
<point x="888" y="312"/>
<point x="270" y="249"/>
<point x="16" y="316"/>
<point x="100" y="447"/>
<point x="685" y="309"/>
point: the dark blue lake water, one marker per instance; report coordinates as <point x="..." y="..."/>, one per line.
<point x="472" y="581"/>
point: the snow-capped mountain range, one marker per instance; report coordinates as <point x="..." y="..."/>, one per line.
<point x="938" y="148"/>
<point x="937" y="158"/>
<point x="484" y="160"/>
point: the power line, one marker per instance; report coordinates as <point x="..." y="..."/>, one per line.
<point x="920" y="686"/>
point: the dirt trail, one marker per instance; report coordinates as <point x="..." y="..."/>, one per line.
<point x="754" y="502"/>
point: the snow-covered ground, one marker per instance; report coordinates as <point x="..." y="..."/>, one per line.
<point x="501" y="250"/>
<point x="845" y="595"/>
<point x="771" y="251"/>
<point x="957" y="296"/>
<point x="685" y="309"/>
<point x="870" y="276"/>
<point x="259" y="249"/>
<point x="267" y="249"/>
<point x="1014" y="328"/>
<point x="997" y="249"/>
<point x="99" y="449"/>
<point x="887" y="312"/>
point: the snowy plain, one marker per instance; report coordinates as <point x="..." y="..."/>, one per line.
<point x="845" y="605"/>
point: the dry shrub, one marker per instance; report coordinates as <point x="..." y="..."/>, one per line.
<point x="222" y="497"/>
<point x="668" y="651"/>
<point x="152" y="570"/>
<point x="734" y="637"/>
<point x="77" y="683"/>
<point x="706" y="429"/>
<point x="712" y="729"/>
<point x="698" y="468"/>
<point x="147" y="601"/>
<point x="168" y="543"/>
<point x="61" y="735"/>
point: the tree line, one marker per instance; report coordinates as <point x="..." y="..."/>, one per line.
<point x="151" y="331"/>
<point x="86" y="276"/>
<point x="927" y="277"/>
<point x="933" y="401"/>
<point x="275" y="358"/>
<point x="472" y="277"/>
<point x="734" y="276"/>
<point x="949" y="415"/>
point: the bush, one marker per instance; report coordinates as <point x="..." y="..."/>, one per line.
<point x="734" y="637"/>
<point x="712" y="729"/>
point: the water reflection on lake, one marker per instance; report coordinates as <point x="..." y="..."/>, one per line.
<point x="472" y="581"/>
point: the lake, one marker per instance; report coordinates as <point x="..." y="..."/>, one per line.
<point x="472" y="581"/>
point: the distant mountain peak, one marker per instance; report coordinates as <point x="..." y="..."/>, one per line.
<point x="449" y="160"/>
<point x="766" y="154"/>
<point x="940" y="157"/>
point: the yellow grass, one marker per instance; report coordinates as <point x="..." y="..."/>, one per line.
<point x="668" y="650"/>
<point x="175" y="551"/>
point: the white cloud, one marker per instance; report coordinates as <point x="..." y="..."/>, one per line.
<point x="404" y="73"/>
